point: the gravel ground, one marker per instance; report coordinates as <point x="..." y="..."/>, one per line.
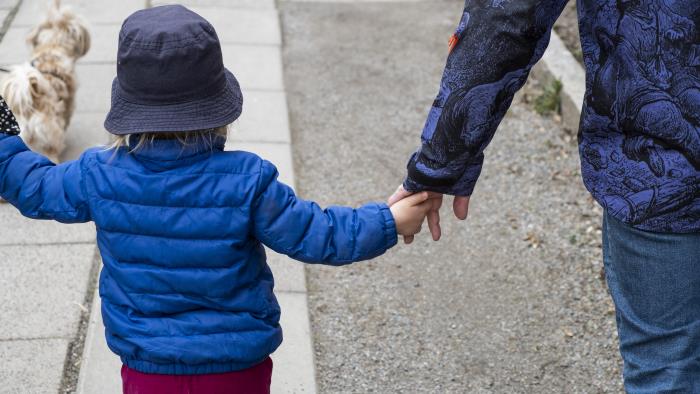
<point x="511" y="301"/>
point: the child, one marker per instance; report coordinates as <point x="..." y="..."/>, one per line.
<point x="187" y="297"/>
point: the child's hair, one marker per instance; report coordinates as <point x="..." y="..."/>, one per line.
<point x="207" y="136"/>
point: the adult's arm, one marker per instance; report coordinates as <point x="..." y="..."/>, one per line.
<point x="492" y="52"/>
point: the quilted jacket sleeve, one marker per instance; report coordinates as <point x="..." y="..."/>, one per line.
<point x="39" y="188"/>
<point x="492" y="51"/>
<point x="305" y="232"/>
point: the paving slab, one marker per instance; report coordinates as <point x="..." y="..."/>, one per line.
<point x="14" y="48"/>
<point x="243" y="26"/>
<point x="42" y="288"/>
<point x="85" y="131"/>
<point x="105" y="39"/>
<point x="94" y="87"/>
<point x="99" y="372"/>
<point x="256" y="67"/>
<point x="220" y="3"/>
<point x="264" y="118"/>
<point x="8" y="4"/>
<point x="32" y="12"/>
<point x="289" y="273"/>
<point x="294" y="367"/>
<point x="278" y="154"/>
<point x="18" y="230"/>
<point x="34" y="366"/>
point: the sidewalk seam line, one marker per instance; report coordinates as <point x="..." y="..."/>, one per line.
<point x="237" y="142"/>
<point x="28" y="24"/>
<point x="22" y="339"/>
<point x="9" y="19"/>
<point x="14" y="245"/>
<point x="292" y="291"/>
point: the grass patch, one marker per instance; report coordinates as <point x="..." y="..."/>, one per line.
<point x="550" y="99"/>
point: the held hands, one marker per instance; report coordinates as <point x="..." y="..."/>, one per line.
<point x="410" y="212"/>
<point x="460" y="206"/>
<point x="8" y="123"/>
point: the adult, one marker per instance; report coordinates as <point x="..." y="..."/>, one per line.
<point x="640" y="155"/>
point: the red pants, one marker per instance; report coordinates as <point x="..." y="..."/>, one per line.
<point x="254" y="380"/>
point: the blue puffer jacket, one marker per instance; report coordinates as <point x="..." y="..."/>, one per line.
<point x="185" y="286"/>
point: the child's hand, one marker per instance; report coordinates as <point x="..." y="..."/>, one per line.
<point x="410" y="213"/>
<point x="8" y="124"/>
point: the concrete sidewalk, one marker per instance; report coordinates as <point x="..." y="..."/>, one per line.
<point x="48" y="268"/>
<point x="53" y="268"/>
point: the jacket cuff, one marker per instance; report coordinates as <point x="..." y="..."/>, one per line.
<point x="390" y="235"/>
<point x="418" y="180"/>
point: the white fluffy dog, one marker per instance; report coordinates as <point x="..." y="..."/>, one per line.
<point x="41" y="92"/>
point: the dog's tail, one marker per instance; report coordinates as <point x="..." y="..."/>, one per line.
<point x="21" y="86"/>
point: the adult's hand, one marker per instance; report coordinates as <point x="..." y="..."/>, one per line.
<point x="460" y="207"/>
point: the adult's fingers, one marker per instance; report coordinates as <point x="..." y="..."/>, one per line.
<point x="434" y="215"/>
<point x="434" y="224"/>
<point x="398" y="195"/>
<point x="460" y="206"/>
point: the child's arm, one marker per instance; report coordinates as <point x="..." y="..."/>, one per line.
<point x="336" y="235"/>
<point x="33" y="184"/>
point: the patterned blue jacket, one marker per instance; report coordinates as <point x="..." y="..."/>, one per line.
<point x="185" y="286"/>
<point x="640" y="127"/>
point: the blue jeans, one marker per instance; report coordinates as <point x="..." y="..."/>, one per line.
<point x="654" y="280"/>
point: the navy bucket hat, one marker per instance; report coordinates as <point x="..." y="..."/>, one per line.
<point x="171" y="75"/>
